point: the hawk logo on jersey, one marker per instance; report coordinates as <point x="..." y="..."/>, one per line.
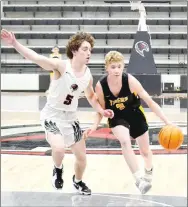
<point x="74" y="87"/>
<point x="140" y="47"/>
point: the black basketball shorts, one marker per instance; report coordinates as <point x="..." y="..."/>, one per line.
<point x="133" y="119"/>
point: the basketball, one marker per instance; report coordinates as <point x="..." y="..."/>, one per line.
<point x="171" y="137"/>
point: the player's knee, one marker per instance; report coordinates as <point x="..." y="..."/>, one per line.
<point x="125" y="143"/>
<point x="81" y="157"/>
<point x="144" y="153"/>
<point x="58" y="149"/>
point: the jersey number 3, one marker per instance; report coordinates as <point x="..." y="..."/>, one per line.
<point x="68" y="99"/>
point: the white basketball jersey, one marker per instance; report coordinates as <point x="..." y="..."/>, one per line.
<point x="65" y="92"/>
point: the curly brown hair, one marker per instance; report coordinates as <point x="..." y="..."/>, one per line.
<point x="76" y="40"/>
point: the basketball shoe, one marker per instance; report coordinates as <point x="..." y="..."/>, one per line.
<point x="81" y="187"/>
<point x="57" y="180"/>
<point x="143" y="185"/>
<point x="148" y="175"/>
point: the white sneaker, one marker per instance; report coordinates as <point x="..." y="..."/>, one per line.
<point x="143" y="185"/>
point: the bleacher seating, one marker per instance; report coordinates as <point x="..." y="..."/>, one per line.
<point x="42" y="24"/>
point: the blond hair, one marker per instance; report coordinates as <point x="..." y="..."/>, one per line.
<point x="113" y="56"/>
<point x="76" y="40"/>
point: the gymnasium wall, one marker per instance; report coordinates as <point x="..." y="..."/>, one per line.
<point x="19" y="82"/>
<point x="40" y="82"/>
<point x="35" y="103"/>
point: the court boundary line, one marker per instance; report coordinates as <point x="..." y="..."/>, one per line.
<point x="133" y="199"/>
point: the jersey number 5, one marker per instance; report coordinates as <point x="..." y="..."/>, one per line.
<point x="68" y="99"/>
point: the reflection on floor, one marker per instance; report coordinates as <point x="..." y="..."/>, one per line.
<point x="110" y="200"/>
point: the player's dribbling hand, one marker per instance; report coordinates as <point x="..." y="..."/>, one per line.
<point x="7" y="37"/>
<point x="169" y="123"/>
<point x="108" y="113"/>
<point x="172" y="124"/>
<point x="88" y="132"/>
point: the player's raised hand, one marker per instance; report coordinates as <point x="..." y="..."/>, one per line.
<point x="8" y="37"/>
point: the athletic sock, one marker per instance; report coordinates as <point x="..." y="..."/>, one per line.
<point x="77" y="181"/>
<point x="137" y="175"/>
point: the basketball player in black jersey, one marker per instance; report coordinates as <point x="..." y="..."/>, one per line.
<point x="121" y="92"/>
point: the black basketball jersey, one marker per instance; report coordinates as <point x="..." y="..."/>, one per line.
<point x="125" y="99"/>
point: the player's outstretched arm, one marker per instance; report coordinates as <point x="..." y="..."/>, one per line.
<point x="44" y="62"/>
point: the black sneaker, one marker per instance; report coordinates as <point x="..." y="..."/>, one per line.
<point x="57" y="180"/>
<point x="81" y="187"/>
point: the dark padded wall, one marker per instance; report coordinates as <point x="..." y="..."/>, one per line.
<point x="183" y="83"/>
<point x="183" y="103"/>
<point x="83" y="102"/>
<point x="44" y="81"/>
<point x="96" y="78"/>
<point x="151" y="83"/>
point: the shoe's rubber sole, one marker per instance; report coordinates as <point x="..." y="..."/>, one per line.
<point x="148" y="180"/>
<point x="81" y="192"/>
<point x="146" y="189"/>
<point x="54" y="185"/>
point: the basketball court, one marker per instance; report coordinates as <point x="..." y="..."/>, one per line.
<point x="27" y="165"/>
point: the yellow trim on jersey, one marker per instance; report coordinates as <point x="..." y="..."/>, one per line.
<point x="142" y="110"/>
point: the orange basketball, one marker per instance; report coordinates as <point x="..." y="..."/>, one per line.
<point x="171" y="137"/>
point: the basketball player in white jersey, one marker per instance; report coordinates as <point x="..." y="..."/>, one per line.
<point x="58" y="117"/>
